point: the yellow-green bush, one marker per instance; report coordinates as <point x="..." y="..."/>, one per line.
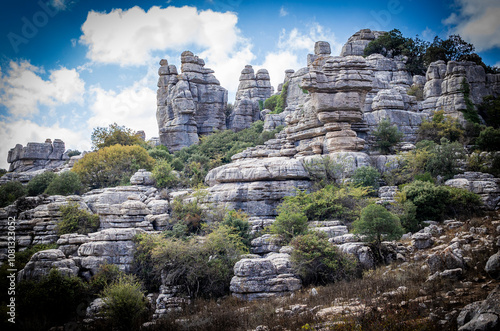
<point x="112" y="166"/>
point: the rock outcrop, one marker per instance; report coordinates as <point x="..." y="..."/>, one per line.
<point x="258" y="278"/>
<point x="486" y="185"/>
<point x="42" y="262"/>
<point x="357" y="43"/>
<point x="37" y="156"/>
<point x="253" y="90"/>
<point x="190" y="104"/>
<point x="481" y="315"/>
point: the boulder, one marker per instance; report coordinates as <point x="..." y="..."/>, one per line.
<point x="42" y="262"/>
<point x="481" y="315"/>
<point x="493" y="266"/>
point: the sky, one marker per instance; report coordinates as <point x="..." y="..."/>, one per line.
<point x="68" y="66"/>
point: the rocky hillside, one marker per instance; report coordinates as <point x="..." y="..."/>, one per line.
<point x="241" y="238"/>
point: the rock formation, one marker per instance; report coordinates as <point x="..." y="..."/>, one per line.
<point x="190" y="104"/>
<point x="357" y="43"/>
<point x="252" y="90"/>
<point x="486" y="185"/>
<point x="37" y="156"/>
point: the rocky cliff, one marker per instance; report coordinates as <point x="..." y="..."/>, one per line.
<point x="37" y="156"/>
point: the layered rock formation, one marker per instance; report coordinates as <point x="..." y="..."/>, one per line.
<point x="486" y="185"/>
<point x="190" y="104"/>
<point x="37" y="156"/>
<point x="357" y="43"/>
<point x="252" y="90"/>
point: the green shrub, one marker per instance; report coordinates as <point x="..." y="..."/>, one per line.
<point x="386" y="136"/>
<point x="38" y="184"/>
<point x="66" y="183"/>
<point x="407" y="213"/>
<point x="429" y="199"/>
<point x="50" y="301"/>
<point x="160" y="153"/>
<point x="377" y="223"/>
<point x="470" y="113"/>
<point x="74" y="153"/>
<point x="200" y="268"/>
<point x="489" y="109"/>
<point x="277" y="103"/>
<point x="106" y="275"/>
<point x="366" y="176"/>
<point x="441" y="126"/>
<point x="190" y="213"/>
<point x="328" y="170"/>
<point x="291" y="220"/>
<point x="76" y="220"/>
<point x="125" y="304"/>
<point x="238" y="221"/>
<point x="143" y="265"/>
<point x="10" y="192"/>
<point x="2" y="172"/>
<point x="317" y="261"/>
<point x="177" y="164"/>
<point x="489" y="139"/>
<point x="164" y="175"/>
<point x="270" y="103"/>
<point x="112" y="166"/>
<point x="462" y="204"/>
<point x="416" y="91"/>
<point x="444" y="159"/>
<point x="114" y="135"/>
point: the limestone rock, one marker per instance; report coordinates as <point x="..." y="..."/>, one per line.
<point x="486" y="185"/>
<point x="252" y="90"/>
<point x="42" y="262"/>
<point x="142" y="177"/>
<point x="357" y="43"/>
<point x="362" y="252"/>
<point x="266" y="244"/>
<point x="37" y="156"/>
<point x="264" y="277"/>
<point x="422" y="240"/>
<point x="190" y="104"/>
<point x="481" y="315"/>
<point x="493" y="266"/>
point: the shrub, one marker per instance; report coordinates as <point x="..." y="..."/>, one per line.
<point x="317" y="261"/>
<point x="429" y="199"/>
<point x="143" y="265"/>
<point x="238" y="222"/>
<point x="277" y="102"/>
<point x="10" y="192"/>
<point x="444" y="159"/>
<point x="200" y="268"/>
<point x="377" y="223"/>
<point x="188" y="212"/>
<point x="270" y="103"/>
<point x="416" y="91"/>
<point x="38" y="184"/>
<point x="50" y="301"/>
<point x="76" y="220"/>
<point x="74" y="153"/>
<point x="112" y="166"/>
<point x="328" y="170"/>
<point x="441" y="126"/>
<point x="489" y="139"/>
<point x="462" y="204"/>
<point x="366" y="176"/>
<point x="160" y="153"/>
<point x="164" y="175"/>
<point x="65" y="183"/>
<point x="125" y="304"/>
<point x="386" y="136"/>
<point x="489" y="109"/>
<point x="113" y="135"/>
<point x="291" y="220"/>
<point x="106" y="275"/>
<point x="470" y="113"/>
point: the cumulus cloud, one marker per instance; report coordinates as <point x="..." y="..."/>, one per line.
<point x="297" y="40"/>
<point x="24" y="131"/>
<point x="22" y="90"/>
<point x="276" y="63"/>
<point x="129" y="37"/>
<point x="133" y="107"/>
<point x="477" y="22"/>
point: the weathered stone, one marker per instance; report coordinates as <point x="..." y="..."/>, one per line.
<point x="264" y="277"/>
<point x="486" y="185"/>
<point x="266" y="244"/>
<point x="142" y="177"/>
<point x="42" y="262"/>
<point x="422" y="240"/>
<point x="481" y="315"/>
<point x="362" y="252"/>
<point x="37" y="156"/>
<point x="190" y="104"/>
<point x="357" y="43"/>
<point x="253" y="90"/>
<point x="493" y="266"/>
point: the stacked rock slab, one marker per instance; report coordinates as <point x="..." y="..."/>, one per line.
<point x="37" y="156"/>
<point x="357" y="43"/>
<point x="252" y="90"/>
<point x="190" y="104"/>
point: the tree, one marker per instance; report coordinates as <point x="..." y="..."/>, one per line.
<point x="366" y="176"/>
<point x="489" y="139"/>
<point x="164" y="175"/>
<point x="378" y="223"/>
<point x="441" y="126"/>
<point x="114" y="134"/>
<point x="386" y="136"/>
<point x="290" y="222"/>
<point x="112" y="166"/>
<point x="489" y="109"/>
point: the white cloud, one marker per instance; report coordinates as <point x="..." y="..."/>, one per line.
<point x="428" y="33"/>
<point x="22" y="90"/>
<point x="297" y="40"/>
<point x="283" y="12"/>
<point x="276" y="63"/>
<point x="477" y="22"/>
<point x="24" y="131"/>
<point x="129" y="37"/>
<point x="133" y="107"/>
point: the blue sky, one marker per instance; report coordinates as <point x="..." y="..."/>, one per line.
<point x="67" y="66"/>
